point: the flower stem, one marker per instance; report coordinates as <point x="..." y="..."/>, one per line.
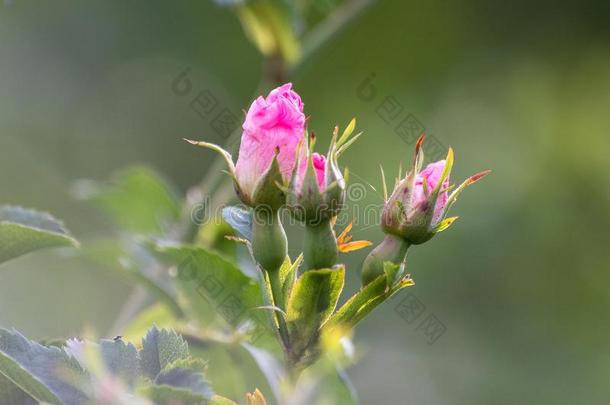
<point x="270" y="247"/>
<point x="269" y="244"/>
<point x="320" y="250"/>
<point x="391" y="249"/>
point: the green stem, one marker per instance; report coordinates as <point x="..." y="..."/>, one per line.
<point x="320" y="250"/>
<point x="269" y="244"/>
<point x="391" y="249"/>
<point x="270" y="247"/>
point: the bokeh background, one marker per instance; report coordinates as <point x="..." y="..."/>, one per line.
<point x="520" y="281"/>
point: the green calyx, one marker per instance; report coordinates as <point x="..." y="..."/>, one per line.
<point x="392" y="249"/>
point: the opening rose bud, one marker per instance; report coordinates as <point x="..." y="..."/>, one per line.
<point x="317" y="194"/>
<point x="415" y="211"/>
<point x="273" y="128"/>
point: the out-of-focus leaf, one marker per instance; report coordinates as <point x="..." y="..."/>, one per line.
<point x="240" y="220"/>
<point x="313" y="299"/>
<point x="270" y="367"/>
<point x="268" y="24"/>
<point x="161" y="347"/>
<point x="35" y="368"/>
<point x="12" y="394"/>
<point x="208" y="280"/>
<point x="168" y="395"/>
<point x="121" y="359"/>
<point x="213" y="234"/>
<point x="185" y="378"/>
<point x="23" y="231"/>
<point x="135" y="263"/>
<point x="137" y="199"/>
<point x="218" y="400"/>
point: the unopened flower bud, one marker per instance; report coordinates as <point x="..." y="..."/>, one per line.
<point x="415" y="211"/>
<point x="316" y="195"/>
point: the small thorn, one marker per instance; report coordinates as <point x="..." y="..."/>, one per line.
<point x="191" y="141"/>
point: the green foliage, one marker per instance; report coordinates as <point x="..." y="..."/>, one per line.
<point x="35" y="369"/>
<point x="137" y="200"/>
<point x="364" y="301"/>
<point x="162" y="371"/>
<point x="311" y="302"/>
<point x="207" y="281"/>
<point x="159" y="349"/>
<point x="121" y="359"/>
<point x="23" y="231"/>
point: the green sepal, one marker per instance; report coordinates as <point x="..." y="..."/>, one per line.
<point x="288" y="275"/>
<point x="305" y="203"/>
<point x="266" y="192"/>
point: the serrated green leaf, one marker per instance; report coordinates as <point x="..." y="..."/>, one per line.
<point x="313" y="299"/>
<point x="121" y="359"/>
<point x="35" y="369"/>
<point x="185" y="378"/>
<point x="168" y="395"/>
<point x="24" y="230"/>
<point x="350" y="311"/>
<point x="364" y="301"/>
<point x="137" y="199"/>
<point x="161" y="347"/>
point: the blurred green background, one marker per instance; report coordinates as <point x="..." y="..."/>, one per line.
<point x="520" y="281"/>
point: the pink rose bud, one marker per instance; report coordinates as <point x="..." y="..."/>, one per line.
<point x="317" y="189"/>
<point x="415" y="211"/>
<point x="274" y="127"/>
<point x="431" y="176"/>
<point x="272" y="131"/>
